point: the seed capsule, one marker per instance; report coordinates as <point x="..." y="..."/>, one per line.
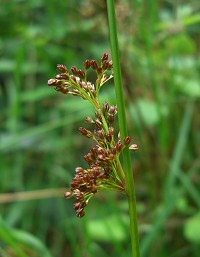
<point x="67" y="194"/>
<point x="127" y="140"/>
<point x="111" y="130"/>
<point x="89" y="120"/>
<point x="81" y="74"/>
<point x="133" y="147"/>
<point x="62" y="68"/>
<point x="74" y="70"/>
<point x="52" y="82"/>
<point x="94" y="65"/>
<point x="99" y="70"/>
<point x="80" y="213"/>
<point x="104" y="57"/>
<point x="105" y="65"/>
<point x="79" y="170"/>
<point x="119" y="146"/>
<point x="108" y="137"/>
<point x="87" y="64"/>
<point x="85" y="132"/>
<point x="62" y="76"/>
<point x="105" y="108"/>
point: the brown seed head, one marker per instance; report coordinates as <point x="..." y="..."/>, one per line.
<point x="104" y="57"/>
<point x="52" y="82"/>
<point x="94" y="64"/>
<point x="86" y="64"/>
<point x="67" y="194"/>
<point x="119" y="146"/>
<point x="89" y="120"/>
<point x="105" y="108"/>
<point x="62" y="68"/>
<point x="74" y="70"/>
<point x="81" y="74"/>
<point x="127" y="140"/>
<point x="62" y="76"/>
<point x="85" y="132"/>
<point x="105" y="65"/>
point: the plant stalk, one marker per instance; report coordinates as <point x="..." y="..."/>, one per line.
<point x="130" y="189"/>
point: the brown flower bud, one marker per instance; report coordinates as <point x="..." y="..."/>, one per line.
<point x="86" y="64"/>
<point x="52" y="82"/>
<point x="118" y="135"/>
<point x="100" y="133"/>
<point x="111" y="117"/>
<point x="81" y="74"/>
<point x="127" y="140"/>
<point x="101" y="143"/>
<point x="94" y="189"/>
<point x="98" y="124"/>
<point x="113" y="109"/>
<point x="79" y="170"/>
<point x="104" y="57"/>
<point x="83" y="204"/>
<point x="62" y="68"/>
<point x="105" y="108"/>
<point x="94" y="151"/>
<point x="89" y="120"/>
<point x="110" y="65"/>
<point x="108" y="137"/>
<point x="100" y="157"/>
<point x="111" y="130"/>
<point x="73" y="77"/>
<point x="105" y="65"/>
<point x="94" y="64"/>
<point x="67" y="194"/>
<point x="114" y="150"/>
<point x="76" y="206"/>
<point x="64" y="90"/>
<point x="119" y="146"/>
<point x="88" y="158"/>
<point x="62" y="76"/>
<point x="75" y="92"/>
<point x="110" y="156"/>
<point x="85" y="132"/>
<point x="99" y="70"/>
<point x="80" y="213"/>
<point x="74" y="70"/>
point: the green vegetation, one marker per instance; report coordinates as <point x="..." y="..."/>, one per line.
<point x="160" y="61"/>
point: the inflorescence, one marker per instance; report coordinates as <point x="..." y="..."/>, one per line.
<point x="105" y="171"/>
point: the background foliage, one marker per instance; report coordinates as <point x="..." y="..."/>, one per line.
<point x="40" y="147"/>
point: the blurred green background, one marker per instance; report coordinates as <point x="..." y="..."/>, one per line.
<point x="39" y="141"/>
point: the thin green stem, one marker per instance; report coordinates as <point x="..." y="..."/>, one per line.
<point x="123" y="129"/>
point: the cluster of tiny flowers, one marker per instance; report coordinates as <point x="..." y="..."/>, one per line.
<point x="105" y="171"/>
<point x="77" y="84"/>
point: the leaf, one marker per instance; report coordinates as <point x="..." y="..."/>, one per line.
<point x="21" y="240"/>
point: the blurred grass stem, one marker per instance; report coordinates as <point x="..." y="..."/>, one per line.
<point x="123" y="129"/>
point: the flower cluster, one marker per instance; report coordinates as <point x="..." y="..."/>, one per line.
<point x="77" y="84"/>
<point x="105" y="171"/>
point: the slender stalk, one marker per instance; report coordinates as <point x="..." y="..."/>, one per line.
<point x="123" y="129"/>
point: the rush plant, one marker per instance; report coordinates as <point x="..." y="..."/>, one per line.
<point x="105" y="170"/>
